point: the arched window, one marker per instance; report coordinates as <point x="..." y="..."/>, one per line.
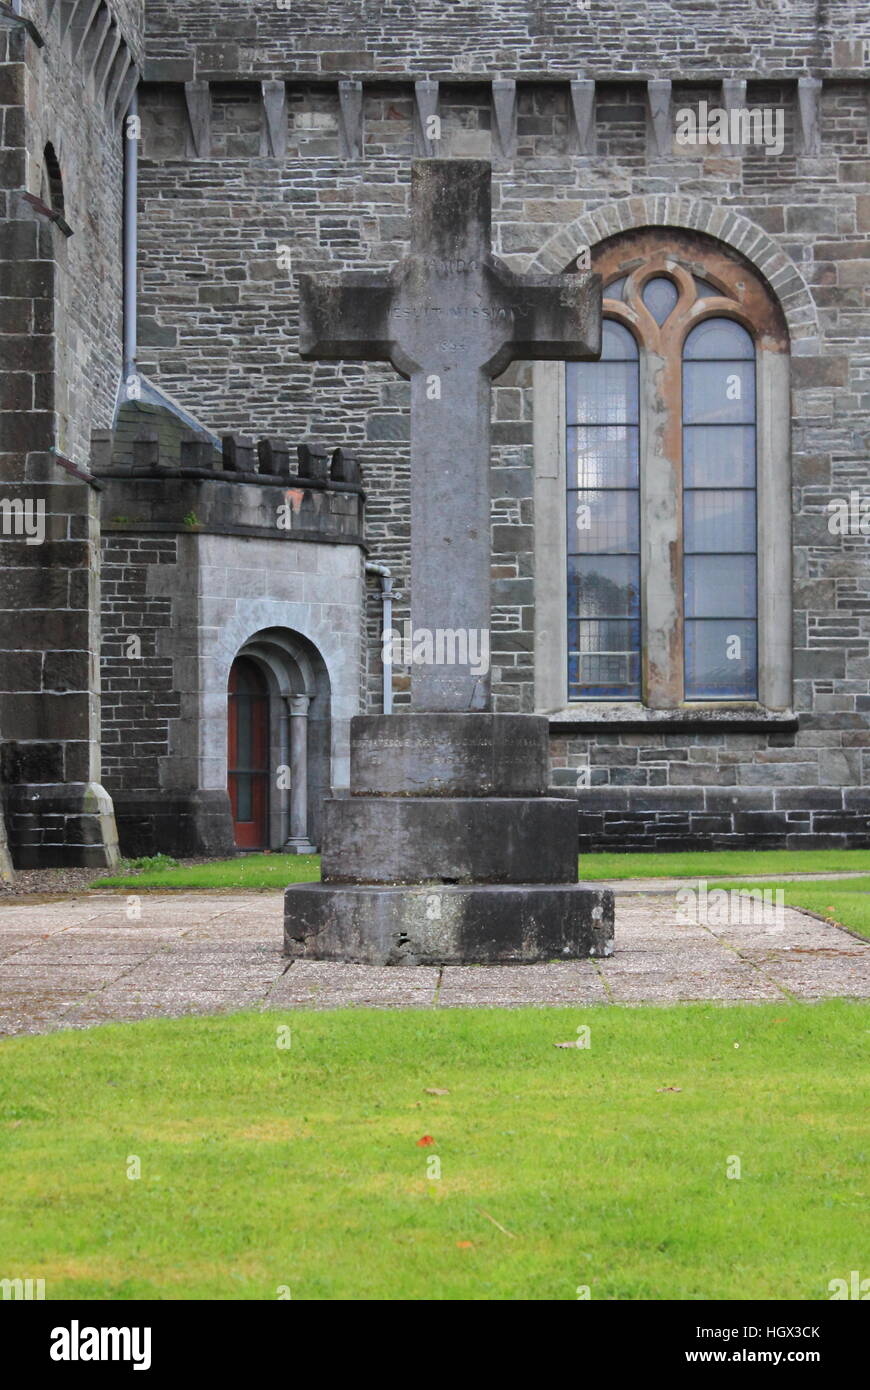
<point x="676" y="484"/>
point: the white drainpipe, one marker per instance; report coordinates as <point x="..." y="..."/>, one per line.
<point x="386" y="579"/>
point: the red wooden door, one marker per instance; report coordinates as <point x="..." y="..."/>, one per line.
<point x="248" y="754"/>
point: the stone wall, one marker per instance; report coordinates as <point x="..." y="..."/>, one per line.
<point x="218" y="303"/>
<point x="60" y="277"/>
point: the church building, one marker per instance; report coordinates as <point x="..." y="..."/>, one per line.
<point x="204" y="535"/>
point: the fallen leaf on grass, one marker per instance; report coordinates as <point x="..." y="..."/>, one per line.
<point x="436" y="1091"/>
<point x="570" y="1044"/>
<point x="425" y="1142"/>
<point x="668" y="1088"/>
<point x="465" y="1245"/>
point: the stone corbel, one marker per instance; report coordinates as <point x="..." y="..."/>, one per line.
<point x="809" y="112"/>
<point x="426" y="106"/>
<point x="504" y="118"/>
<point x="583" y="111"/>
<point x="274" y="96"/>
<point x="660" y="100"/>
<point x="350" y="123"/>
<point x="733" y="99"/>
<point x="197" y="96"/>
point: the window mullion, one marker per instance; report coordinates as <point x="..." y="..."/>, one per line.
<point x="661" y="528"/>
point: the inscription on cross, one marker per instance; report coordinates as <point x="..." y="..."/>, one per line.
<point x="450" y="317"/>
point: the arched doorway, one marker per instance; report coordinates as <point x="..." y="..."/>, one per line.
<point x="248" y="754"/>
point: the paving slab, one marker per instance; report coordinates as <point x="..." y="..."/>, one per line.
<point x="82" y="961"/>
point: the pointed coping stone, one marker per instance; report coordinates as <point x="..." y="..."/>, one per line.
<point x="733" y="99"/>
<point x="583" y="108"/>
<point x="426" y="105"/>
<point x="313" y="460"/>
<point x="504" y="110"/>
<point x="106" y="59"/>
<point x="67" y="14"/>
<point x="274" y="457"/>
<point x="83" y="18"/>
<point x="94" y="41"/>
<point x="659" y="93"/>
<point x="197" y="96"/>
<point x="809" y="110"/>
<point x="119" y="72"/>
<point x="125" y="95"/>
<point x="238" y="451"/>
<point x="351" y="130"/>
<point x="345" y="467"/>
<point x="274" y="96"/>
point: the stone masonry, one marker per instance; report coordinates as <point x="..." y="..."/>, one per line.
<point x="278" y="141"/>
<point x="297" y="156"/>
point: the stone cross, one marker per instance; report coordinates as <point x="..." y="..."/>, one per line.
<point x="450" y="317"/>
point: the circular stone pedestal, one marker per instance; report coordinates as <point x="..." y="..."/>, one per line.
<point x="439" y="924"/>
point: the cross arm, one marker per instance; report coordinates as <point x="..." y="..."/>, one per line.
<point x="345" y="316"/>
<point x="555" y="317"/>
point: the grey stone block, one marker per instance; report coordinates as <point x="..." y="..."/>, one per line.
<point x="449" y="840"/>
<point x="447" y="926"/>
<point x="449" y="755"/>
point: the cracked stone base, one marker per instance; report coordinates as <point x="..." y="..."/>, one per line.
<point x="438" y="924"/>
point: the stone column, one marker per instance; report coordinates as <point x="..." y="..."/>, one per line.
<point x="298" y="841"/>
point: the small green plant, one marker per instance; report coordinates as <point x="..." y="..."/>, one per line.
<point x="149" y="863"/>
<point x="192" y="519"/>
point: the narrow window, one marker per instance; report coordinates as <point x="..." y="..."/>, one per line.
<point x="719" y="512"/>
<point x="604" y="522"/>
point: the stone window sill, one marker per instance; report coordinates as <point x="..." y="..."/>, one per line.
<point x="599" y="716"/>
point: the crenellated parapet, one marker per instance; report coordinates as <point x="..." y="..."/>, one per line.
<point x="250" y="487"/>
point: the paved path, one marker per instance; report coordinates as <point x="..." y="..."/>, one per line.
<point x="80" y="961"/>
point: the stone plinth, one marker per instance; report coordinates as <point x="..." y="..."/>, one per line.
<point x="460" y="859"/>
<point x="448" y="925"/>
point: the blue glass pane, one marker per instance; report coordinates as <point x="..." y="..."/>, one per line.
<point x="617" y="344"/>
<point x="719" y="456"/>
<point x="705" y="289"/>
<point x="606" y="586"/>
<point x="603" y="521"/>
<point x="602" y="456"/>
<point x="602" y="392"/>
<point x="719" y="586"/>
<point x="719" y="340"/>
<point x="718" y="393"/>
<point x="718" y="521"/>
<point x="616" y="289"/>
<point x="605" y="675"/>
<point x="660" y="295"/>
<point x="721" y="660"/>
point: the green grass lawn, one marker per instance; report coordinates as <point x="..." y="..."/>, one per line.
<point x="302" y="1167"/>
<point x="845" y="900"/>
<point x="277" y="870"/>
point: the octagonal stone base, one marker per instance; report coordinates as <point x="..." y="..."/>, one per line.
<point x="439" y="924"/>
